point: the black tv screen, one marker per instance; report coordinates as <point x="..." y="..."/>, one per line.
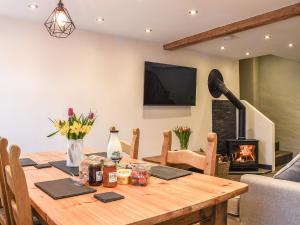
<point x="169" y="85"/>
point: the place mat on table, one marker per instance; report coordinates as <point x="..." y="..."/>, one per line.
<point x="62" y="165"/>
<point x="103" y="154"/>
<point x="27" y="162"/>
<point x="64" y="188"/>
<point x="168" y="173"/>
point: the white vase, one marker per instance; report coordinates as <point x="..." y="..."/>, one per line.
<point x="74" y="153"/>
<point x="114" y="148"/>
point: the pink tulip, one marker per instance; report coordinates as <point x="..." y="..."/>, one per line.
<point x="70" y="112"/>
<point x="91" y="115"/>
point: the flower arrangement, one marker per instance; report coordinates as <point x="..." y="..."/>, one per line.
<point x="183" y="134"/>
<point x="76" y="127"/>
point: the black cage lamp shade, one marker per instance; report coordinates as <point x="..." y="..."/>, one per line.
<point x="60" y="24"/>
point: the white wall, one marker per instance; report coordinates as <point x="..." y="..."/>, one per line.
<point x="41" y="77"/>
<point x="273" y="88"/>
<point x="280" y="99"/>
<point x="260" y="127"/>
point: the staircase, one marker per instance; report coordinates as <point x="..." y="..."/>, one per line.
<point x="282" y="157"/>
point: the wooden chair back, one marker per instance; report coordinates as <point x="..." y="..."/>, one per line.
<point x="5" y="214"/>
<point x="133" y="148"/>
<point x="206" y="162"/>
<point x="20" y="201"/>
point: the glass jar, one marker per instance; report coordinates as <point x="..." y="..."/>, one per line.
<point x="109" y="174"/>
<point x="140" y="175"/>
<point x="84" y="167"/>
<point x="123" y="176"/>
<point x="95" y="174"/>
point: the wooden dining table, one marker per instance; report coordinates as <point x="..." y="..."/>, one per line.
<point x="185" y="200"/>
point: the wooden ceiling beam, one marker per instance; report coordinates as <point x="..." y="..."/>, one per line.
<point x="250" y="23"/>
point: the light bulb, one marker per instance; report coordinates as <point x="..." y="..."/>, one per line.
<point x="193" y="12"/>
<point x="33" y="6"/>
<point x="60" y="18"/>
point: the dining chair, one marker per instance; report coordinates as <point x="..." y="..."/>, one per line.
<point x="206" y="162"/>
<point x="5" y="210"/>
<point x="19" y="200"/>
<point x="132" y="149"/>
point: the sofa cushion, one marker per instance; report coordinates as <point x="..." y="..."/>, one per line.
<point x="291" y="171"/>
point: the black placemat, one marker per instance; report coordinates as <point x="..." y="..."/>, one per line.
<point x="108" y="197"/>
<point x="168" y="173"/>
<point x="27" y="162"/>
<point x="103" y="154"/>
<point x="64" y="188"/>
<point x="61" y="165"/>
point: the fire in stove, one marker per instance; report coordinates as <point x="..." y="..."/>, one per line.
<point x="246" y="153"/>
<point x="243" y="154"/>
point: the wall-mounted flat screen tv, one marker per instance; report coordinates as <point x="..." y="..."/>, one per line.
<point x="169" y="85"/>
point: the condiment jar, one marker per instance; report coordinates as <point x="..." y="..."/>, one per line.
<point x="123" y="176"/>
<point x="140" y="175"/>
<point x="109" y="174"/>
<point x="95" y="174"/>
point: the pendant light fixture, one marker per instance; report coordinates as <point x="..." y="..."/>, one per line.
<point x="60" y="24"/>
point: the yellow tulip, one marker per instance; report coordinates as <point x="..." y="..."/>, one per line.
<point x="57" y="124"/>
<point x="86" y="129"/>
<point x="89" y="128"/>
<point x="65" y="129"/>
<point x="75" y="128"/>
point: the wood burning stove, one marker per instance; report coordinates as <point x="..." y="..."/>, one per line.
<point x="243" y="153"/>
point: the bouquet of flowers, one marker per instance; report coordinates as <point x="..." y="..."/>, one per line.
<point x="183" y="134"/>
<point x="76" y="127"/>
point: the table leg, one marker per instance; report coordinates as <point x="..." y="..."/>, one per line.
<point x="220" y="214"/>
<point x="214" y="215"/>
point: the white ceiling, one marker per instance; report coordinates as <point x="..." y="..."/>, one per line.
<point x="252" y="41"/>
<point x="169" y="20"/>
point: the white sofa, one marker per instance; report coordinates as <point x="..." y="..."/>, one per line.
<point x="270" y="201"/>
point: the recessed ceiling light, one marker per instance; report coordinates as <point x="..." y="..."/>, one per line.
<point x="193" y="12"/>
<point x="222" y="47"/>
<point x="247" y="53"/>
<point x="100" y="19"/>
<point x="291" y="45"/>
<point x="148" y="30"/>
<point x="267" y="37"/>
<point x="33" y="6"/>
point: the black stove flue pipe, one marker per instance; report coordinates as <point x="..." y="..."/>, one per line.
<point x="216" y="88"/>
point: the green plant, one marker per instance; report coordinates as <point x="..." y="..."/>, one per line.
<point x="183" y="134"/>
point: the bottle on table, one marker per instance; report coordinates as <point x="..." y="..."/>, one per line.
<point x="114" y="148"/>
